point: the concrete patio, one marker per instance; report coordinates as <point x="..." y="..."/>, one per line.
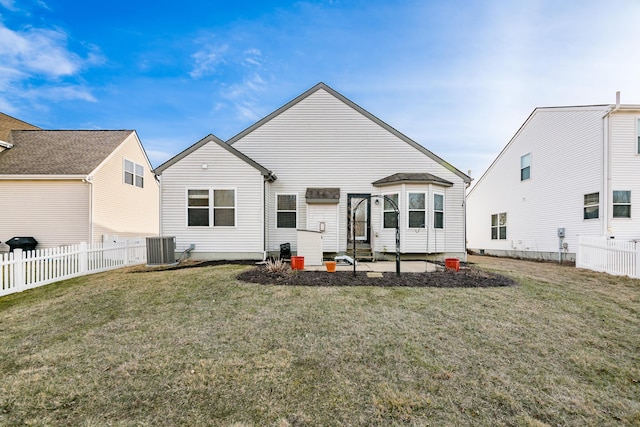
<point x="383" y="266"/>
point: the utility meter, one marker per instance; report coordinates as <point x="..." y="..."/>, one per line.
<point x="561" y="232"/>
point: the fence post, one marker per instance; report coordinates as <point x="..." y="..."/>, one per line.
<point x="18" y="270"/>
<point x="84" y="257"/>
<point x="126" y="252"/>
<point x="636" y="267"/>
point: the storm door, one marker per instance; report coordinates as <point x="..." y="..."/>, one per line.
<point x="362" y="204"/>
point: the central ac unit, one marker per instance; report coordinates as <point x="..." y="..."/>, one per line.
<point x="161" y="250"/>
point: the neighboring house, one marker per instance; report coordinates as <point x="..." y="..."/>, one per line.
<point x="66" y="186"/>
<point x="304" y="167"/>
<point x="576" y="169"/>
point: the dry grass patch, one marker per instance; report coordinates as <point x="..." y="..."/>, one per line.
<point x="199" y="347"/>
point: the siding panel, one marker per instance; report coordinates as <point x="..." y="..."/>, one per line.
<point x="56" y="213"/>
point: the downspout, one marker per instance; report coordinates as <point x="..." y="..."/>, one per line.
<point x="270" y="177"/>
<point x="91" y="205"/>
<point x="264" y="219"/>
<point x="159" y="178"/>
<point x="606" y="168"/>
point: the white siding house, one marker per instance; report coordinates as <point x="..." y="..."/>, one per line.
<point x="308" y="163"/>
<point x="63" y="187"/>
<point x="571" y="168"/>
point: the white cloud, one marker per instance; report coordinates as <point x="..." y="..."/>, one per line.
<point x="41" y="57"/>
<point x="207" y="59"/>
<point x="8" y="4"/>
<point x="247" y="97"/>
<point x="62" y="93"/>
<point x="38" y="51"/>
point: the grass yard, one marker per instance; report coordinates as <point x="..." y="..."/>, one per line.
<point x="198" y="347"/>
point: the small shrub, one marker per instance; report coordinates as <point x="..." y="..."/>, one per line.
<point x="277" y="266"/>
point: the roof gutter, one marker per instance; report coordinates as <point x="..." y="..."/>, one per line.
<point x="45" y="177"/>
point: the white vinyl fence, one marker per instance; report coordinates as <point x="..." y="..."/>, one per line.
<point x="22" y="270"/>
<point x="612" y="256"/>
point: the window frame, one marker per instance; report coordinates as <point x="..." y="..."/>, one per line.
<point x="614" y="204"/>
<point x="590" y="205"/>
<point x="498" y="227"/>
<point x="219" y="208"/>
<point x="207" y="207"/>
<point x="390" y="209"/>
<point x="278" y="210"/>
<point x="526" y="168"/>
<point x="411" y="210"/>
<point x="137" y="173"/>
<point x="438" y="211"/>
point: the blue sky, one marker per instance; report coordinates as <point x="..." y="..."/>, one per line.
<point x="459" y="77"/>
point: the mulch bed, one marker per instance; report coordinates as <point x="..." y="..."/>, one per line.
<point x="465" y="278"/>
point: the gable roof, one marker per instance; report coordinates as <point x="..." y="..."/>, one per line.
<point x="59" y="152"/>
<point x="212" y="138"/>
<point x="8" y="123"/>
<point x="415" y="178"/>
<point x="323" y="86"/>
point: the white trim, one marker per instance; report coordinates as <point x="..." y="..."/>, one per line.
<point x="186" y="207"/>
<point x="425" y="209"/>
<point x="392" y="210"/>
<point x="134" y="173"/>
<point x="433" y="222"/>
<point x="278" y="210"/>
<point x="235" y="207"/>
<point x="528" y="166"/>
<point x="506" y="228"/>
<point x="585" y="206"/>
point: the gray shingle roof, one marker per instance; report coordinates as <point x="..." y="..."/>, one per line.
<point x="419" y="178"/>
<point x="58" y="152"/>
<point x="322" y="195"/>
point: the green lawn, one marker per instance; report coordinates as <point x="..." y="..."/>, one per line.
<point x="197" y="347"/>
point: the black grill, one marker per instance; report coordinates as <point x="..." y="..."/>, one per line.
<point x="24" y="243"/>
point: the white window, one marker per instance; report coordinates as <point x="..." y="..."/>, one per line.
<point x="417" y="210"/>
<point x="390" y="218"/>
<point x="591" y="206"/>
<point x="202" y="208"/>
<point x="525" y="167"/>
<point x="438" y="210"/>
<point x="224" y="208"/>
<point x="499" y="226"/>
<point x="622" y="204"/>
<point x="198" y="208"/>
<point x="133" y="173"/>
<point x="286" y="211"/>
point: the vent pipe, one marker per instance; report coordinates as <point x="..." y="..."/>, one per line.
<point x="617" y="100"/>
